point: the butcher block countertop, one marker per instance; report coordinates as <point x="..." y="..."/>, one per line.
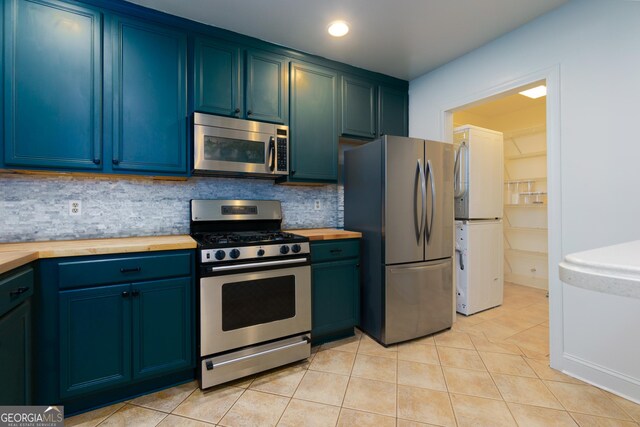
<point x="13" y="255"/>
<point x="326" y="233"/>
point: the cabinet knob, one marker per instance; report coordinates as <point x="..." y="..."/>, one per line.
<point x="115" y="161"/>
<point x="293" y="172"/>
<point x="236" y="111"/>
<point x="97" y="161"/>
<point x="135" y="293"/>
<point x="249" y="113"/>
<point x="357" y="265"/>
<point x="125" y="294"/>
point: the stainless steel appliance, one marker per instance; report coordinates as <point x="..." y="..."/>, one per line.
<point x="399" y="194"/>
<point x="227" y="146"/>
<point x="254" y="289"/>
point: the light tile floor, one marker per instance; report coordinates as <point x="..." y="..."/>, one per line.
<point x="490" y="369"/>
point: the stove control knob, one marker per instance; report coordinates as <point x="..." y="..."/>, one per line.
<point x="284" y="249"/>
<point x="260" y="252"/>
<point x="296" y="248"/>
<point x="220" y="254"/>
<point x="235" y="253"/>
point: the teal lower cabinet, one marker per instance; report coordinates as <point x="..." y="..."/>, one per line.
<point x="335" y="282"/>
<point x="16" y="288"/>
<point x="112" y="327"/>
<point x="95" y="339"/>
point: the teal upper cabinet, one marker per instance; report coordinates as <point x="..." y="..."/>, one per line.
<point x="217" y="78"/>
<point x="266" y="87"/>
<point x="53" y="85"/>
<point x="358" y="107"/>
<point x="149" y="106"/>
<point x="314" y="130"/>
<point x="393" y="106"/>
<point x="231" y="81"/>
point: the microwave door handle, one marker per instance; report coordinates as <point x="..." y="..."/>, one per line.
<point x="272" y="153"/>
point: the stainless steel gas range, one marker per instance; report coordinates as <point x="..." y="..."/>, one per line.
<point x="254" y="289"/>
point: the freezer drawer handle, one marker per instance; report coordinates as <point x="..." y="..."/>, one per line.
<point x="305" y="341"/>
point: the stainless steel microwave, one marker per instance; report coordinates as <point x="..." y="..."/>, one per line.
<point x="227" y="146"/>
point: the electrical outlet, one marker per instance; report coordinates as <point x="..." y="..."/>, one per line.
<point x="317" y="205"/>
<point x="75" y="207"/>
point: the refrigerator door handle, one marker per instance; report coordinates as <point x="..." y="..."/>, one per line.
<point x="433" y="200"/>
<point x="423" y="188"/>
<point x="459" y="187"/>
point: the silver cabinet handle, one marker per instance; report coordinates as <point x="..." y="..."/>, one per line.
<point x="423" y="188"/>
<point x="433" y="199"/>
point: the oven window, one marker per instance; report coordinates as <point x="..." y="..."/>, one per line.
<point x="253" y="302"/>
<point x="233" y="150"/>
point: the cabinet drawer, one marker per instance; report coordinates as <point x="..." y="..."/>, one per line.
<point x="123" y="269"/>
<point x="335" y="249"/>
<point x="14" y="288"/>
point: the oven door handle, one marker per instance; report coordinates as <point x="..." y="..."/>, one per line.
<point x="259" y="264"/>
<point x="305" y="341"/>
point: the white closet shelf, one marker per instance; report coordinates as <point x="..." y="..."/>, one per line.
<point x="526" y="155"/>
<point x="518" y="181"/>
<point x="523" y="252"/>
<point x="529" y="205"/>
<point x="527" y="229"/>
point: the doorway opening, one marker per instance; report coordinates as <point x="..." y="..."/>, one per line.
<point x="523" y="318"/>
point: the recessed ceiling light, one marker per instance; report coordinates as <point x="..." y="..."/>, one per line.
<point x="338" y="28"/>
<point x="536" y="92"/>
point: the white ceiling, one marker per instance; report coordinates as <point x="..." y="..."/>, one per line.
<point x="401" y="38"/>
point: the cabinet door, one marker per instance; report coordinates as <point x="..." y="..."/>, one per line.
<point x="53" y="85"/>
<point x="15" y="356"/>
<point x="162" y="324"/>
<point x="358" y="107"/>
<point x="393" y="114"/>
<point x="266" y="87"/>
<point x="335" y="296"/>
<point x="95" y="339"/>
<point x="314" y="131"/>
<point x="149" y="98"/>
<point x="217" y="78"/>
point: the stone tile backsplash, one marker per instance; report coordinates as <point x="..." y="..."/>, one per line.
<point x="34" y="207"/>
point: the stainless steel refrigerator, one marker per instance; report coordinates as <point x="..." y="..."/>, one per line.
<point x="398" y="192"/>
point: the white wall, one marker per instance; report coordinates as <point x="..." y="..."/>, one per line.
<point x="596" y="44"/>
<point x="592" y="48"/>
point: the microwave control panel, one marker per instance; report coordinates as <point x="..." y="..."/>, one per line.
<point x="282" y="149"/>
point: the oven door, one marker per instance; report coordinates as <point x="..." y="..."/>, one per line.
<point x="220" y="150"/>
<point x="246" y="308"/>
